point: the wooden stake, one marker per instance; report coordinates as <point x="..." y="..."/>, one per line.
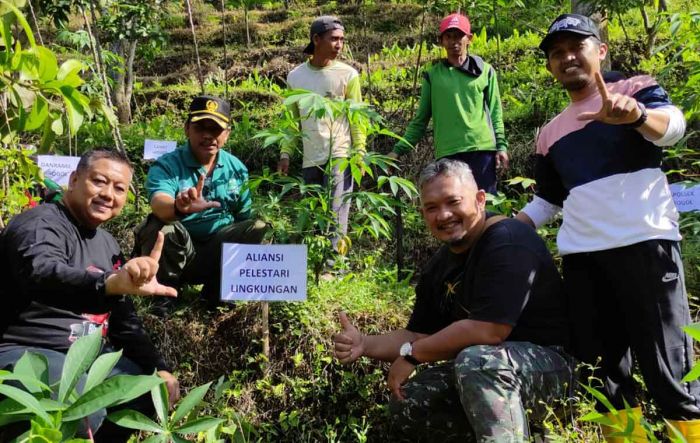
<point x="266" y="329"/>
<point x="196" y="47"/>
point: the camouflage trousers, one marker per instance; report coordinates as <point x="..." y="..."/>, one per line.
<point x="487" y="393"/>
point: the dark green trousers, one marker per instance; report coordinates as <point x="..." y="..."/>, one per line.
<point x="185" y="260"/>
<point x="486" y="394"/>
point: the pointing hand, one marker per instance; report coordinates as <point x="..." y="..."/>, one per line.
<point x="616" y="109"/>
<point x="138" y="276"/>
<point x="191" y="201"/>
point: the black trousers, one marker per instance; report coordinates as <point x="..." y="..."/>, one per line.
<point x="631" y="301"/>
<point x="483" y="166"/>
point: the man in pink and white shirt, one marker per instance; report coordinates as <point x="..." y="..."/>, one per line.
<point x="599" y="164"/>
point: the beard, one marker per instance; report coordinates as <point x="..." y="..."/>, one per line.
<point x="457" y="242"/>
<point x="575" y="84"/>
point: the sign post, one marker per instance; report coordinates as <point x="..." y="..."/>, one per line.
<point x="263" y="273"/>
<point x="58" y="167"/>
<point x="152" y="149"/>
<point x="686" y="197"/>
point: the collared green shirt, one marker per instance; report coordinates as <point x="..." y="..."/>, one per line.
<point x="179" y="170"/>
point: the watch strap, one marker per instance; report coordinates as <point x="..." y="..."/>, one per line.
<point x="642" y="118"/>
<point x="411" y="359"/>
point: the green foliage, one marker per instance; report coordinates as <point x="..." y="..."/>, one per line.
<point x="170" y="427"/>
<point x="684" y="47"/>
<point x="43" y="96"/>
<point x="42" y="100"/>
<point x="616" y="424"/>
<point x="310" y="217"/>
<point x="53" y="411"/>
<point x="17" y="174"/>
<point x="300" y="393"/>
<point x="134" y="20"/>
<point x="309" y="396"/>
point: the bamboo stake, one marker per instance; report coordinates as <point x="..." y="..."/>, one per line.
<point x="36" y="23"/>
<point x="196" y="47"/>
<point x="99" y="64"/>
<point x="223" y="26"/>
<point x="102" y="72"/>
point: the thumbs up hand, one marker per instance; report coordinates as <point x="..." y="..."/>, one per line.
<point x="349" y="343"/>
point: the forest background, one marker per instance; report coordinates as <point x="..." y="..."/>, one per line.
<point x="78" y="74"/>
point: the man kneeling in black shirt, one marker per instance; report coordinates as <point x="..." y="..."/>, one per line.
<point x="64" y="277"/>
<point x="489" y="305"/>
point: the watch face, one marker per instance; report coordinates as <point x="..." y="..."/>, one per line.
<point x="405" y="349"/>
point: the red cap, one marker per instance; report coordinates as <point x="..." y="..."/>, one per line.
<point x="456" y="21"/>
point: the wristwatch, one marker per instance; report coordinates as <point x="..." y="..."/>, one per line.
<point x="642" y="118"/>
<point x="406" y="351"/>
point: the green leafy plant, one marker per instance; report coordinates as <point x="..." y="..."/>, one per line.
<point x="17" y="174"/>
<point x="42" y="96"/>
<point x="312" y="210"/>
<point x="621" y="427"/>
<point x="170" y="427"/>
<point x="53" y="411"/>
<point x="41" y="101"/>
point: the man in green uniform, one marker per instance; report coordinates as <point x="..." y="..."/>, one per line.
<point x="199" y="200"/>
<point x="460" y="94"/>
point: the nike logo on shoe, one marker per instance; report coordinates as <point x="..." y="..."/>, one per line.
<point x="670" y="276"/>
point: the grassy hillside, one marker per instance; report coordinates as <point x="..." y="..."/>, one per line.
<point x="300" y="393"/>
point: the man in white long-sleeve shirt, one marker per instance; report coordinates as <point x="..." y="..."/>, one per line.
<point x="327" y="139"/>
<point x="598" y="162"/>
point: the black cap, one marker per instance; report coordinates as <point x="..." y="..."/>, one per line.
<point x="574" y="23"/>
<point x="321" y="25"/>
<point x="212" y="108"/>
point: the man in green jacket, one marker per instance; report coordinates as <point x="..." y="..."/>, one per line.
<point x="460" y="94"/>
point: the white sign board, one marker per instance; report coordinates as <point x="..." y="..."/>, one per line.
<point x="263" y="272"/>
<point x="58" y="167"/>
<point x="152" y="149"/>
<point x="686" y="196"/>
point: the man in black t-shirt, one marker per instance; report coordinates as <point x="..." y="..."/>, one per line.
<point x="489" y="307"/>
<point x="64" y="277"/>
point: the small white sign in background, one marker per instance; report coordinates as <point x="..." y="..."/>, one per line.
<point x="263" y="272"/>
<point x="58" y="167"/>
<point x="686" y="196"/>
<point x="152" y="149"/>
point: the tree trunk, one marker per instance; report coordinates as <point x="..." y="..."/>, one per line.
<point x="600" y="18"/>
<point x="124" y="81"/>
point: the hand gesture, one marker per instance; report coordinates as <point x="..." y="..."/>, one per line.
<point x="616" y="109"/>
<point x="191" y="201"/>
<point x="349" y="343"/>
<point x="138" y="275"/>
<point x="283" y="166"/>
<point x="399" y="372"/>
<point x="173" y="387"/>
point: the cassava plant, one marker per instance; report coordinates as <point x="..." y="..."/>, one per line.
<point x="53" y="411"/>
<point x="311" y="207"/>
